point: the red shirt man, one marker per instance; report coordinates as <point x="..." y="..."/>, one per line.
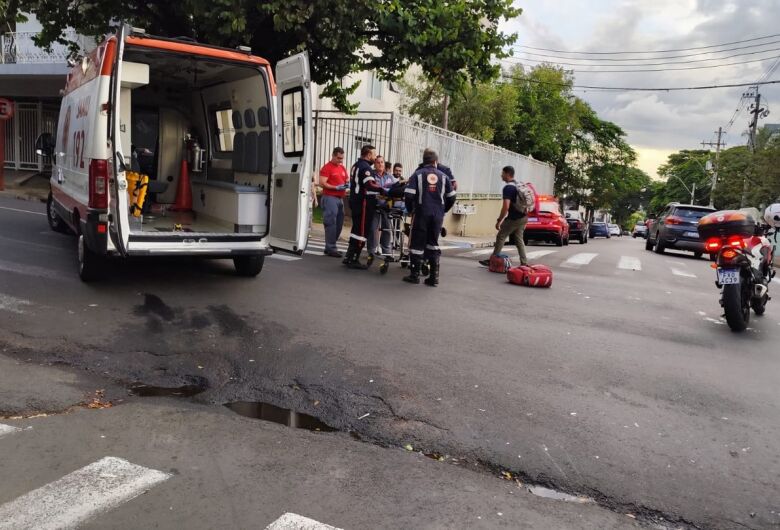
<point x="334" y="182"/>
<point x="333" y="175"/>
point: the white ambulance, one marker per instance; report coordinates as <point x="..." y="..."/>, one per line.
<point x="170" y="147"/>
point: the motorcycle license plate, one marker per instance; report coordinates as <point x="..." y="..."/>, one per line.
<point x="728" y="276"/>
<point x="692" y="234"/>
<point x="533" y="219"/>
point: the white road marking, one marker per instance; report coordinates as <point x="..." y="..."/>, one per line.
<point x="539" y="253"/>
<point x="80" y="495"/>
<point x="630" y="263"/>
<point x="474" y="253"/>
<point x="7" y="429"/>
<point x="577" y="260"/>
<point x="32" y="270"/>
<point x="684" y="274"/>
<point x="291" y="521"/>
<point x="22" y="211"/>
<point x="284" y="257"/>
<point x="14" y="305"/>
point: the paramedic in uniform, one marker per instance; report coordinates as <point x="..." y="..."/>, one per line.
<point x="429" y="195"/>
<point x="363" y="191"/>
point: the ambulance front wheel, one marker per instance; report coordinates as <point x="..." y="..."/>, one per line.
<point x="90" y="263"/>
<point x="248" y="266"/>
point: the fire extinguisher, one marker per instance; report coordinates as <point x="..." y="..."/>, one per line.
<point x="194" y="154"/>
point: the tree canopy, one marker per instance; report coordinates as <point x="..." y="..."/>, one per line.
<point x="454" y="42"/>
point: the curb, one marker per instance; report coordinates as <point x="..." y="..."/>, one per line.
<point x="23" y="196"/>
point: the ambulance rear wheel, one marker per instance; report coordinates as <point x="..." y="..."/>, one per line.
<point x="248" y="266"/>
<point x="90" y="263"/>
<point x="55" y="221"/>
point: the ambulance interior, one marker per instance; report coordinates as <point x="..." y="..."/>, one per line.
<point x="213" y="115"/>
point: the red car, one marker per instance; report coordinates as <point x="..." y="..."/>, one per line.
<point x="547" y="223"/>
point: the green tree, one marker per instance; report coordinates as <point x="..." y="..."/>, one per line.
<point x="454" y="42"/>
<point x="481" y="111"/>
<point x="684" y="170"/>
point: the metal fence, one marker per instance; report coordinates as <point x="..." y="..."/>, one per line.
<point x="477" y="165"/>
<point x="19" y="48"/>
<point x="30" y="119"/>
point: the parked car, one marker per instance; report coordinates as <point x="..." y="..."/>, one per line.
<point x="676" y="228"/>
<point x="599" y="230"/>
<point x="614" y="230"/>
<point x="547" y="223"/>
<point x="578" y="227"/>
<point x="640" y="230"/>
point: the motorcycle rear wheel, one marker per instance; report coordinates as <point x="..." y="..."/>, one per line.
<point x="736" y="305"/>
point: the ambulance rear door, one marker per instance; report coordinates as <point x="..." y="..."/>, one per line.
<point x="290" y="181"/>
<point x="121" y="154"/>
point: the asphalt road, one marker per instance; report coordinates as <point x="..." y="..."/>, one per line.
<point x="622" y="382"/>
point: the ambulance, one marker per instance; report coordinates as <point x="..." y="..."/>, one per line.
<point x="169" y="147"/>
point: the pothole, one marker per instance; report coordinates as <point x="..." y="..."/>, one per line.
<point x="267" y="412"/>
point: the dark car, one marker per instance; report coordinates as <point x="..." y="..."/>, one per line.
<point x="676" y="228"/>
<point x="578" y="227"/>
<point x="599" y="230"/>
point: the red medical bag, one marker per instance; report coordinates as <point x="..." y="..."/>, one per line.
<point x="530" y="275"/>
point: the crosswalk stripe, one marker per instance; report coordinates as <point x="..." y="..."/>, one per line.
<point x="630" y="263"/>
<point x="474" y="253"/>
<point x="291" y="521"/>
<point x="7" y="429"/>
<point x="539" y="253"/>
<point x="12" y="304"/>
<point x="284" y="257"/>
<point x="80" y="495"/>
<point x="684" y="274"/>
<point x="577" y="260"/>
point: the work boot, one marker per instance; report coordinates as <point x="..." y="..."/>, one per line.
<point x="414" y="272"/>
<point x="352" y="249"/>
<point x="433" y="276"/>
<point x="425" y="268"/>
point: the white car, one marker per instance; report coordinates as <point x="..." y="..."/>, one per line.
<point x="614" y="230"/>
<point x="143" y="115"/>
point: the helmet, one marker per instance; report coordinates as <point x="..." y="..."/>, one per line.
<point x="772" y="215"/>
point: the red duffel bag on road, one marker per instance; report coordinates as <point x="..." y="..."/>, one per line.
<point x="499" y="263"/>
<point x="530" y="275"/>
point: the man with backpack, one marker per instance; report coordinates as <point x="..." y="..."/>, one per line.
<point x="518" y="201"/>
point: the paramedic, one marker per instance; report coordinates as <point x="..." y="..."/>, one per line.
<point x="511" y="221"/>
<point x="333" y="180"/>
<point x="444" y="169"/>
<point x="429" y="195"/>
<point x="363" y="191"/>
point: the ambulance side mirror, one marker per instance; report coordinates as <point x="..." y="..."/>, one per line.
<point x="44" y="145"/>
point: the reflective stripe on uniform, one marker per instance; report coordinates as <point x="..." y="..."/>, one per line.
<point x="452" y="194"/>
<point x="355" y="236"/>
<point x="420" y="187"/>
<point x="410" y="191"/>
<point x="367" y="179"/>
<point x="417" y="252"/>
<point x="432" y="247"/>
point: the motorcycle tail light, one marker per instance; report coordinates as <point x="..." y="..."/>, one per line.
<point x="729" y="254"/>
<point x="736" y="242"/>
<point x="713" y="244"/>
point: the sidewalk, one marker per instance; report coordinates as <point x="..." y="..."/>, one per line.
<point x="318" y="230"/>
<point x="25" y="185"/>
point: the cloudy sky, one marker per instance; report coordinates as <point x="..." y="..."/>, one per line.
<point x="659" y="123"/>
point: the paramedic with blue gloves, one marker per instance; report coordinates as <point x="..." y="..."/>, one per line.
<point x="429" y="195"/>
<point x="363" y="192"/>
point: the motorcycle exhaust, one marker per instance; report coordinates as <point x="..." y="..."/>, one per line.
<point x="760" y="290"/>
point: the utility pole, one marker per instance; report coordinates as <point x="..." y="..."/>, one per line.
<point x="757" y="112"/>
<point x="445" y="121"/>
<point x="717" y="145"/>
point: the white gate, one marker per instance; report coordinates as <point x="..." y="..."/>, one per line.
<point x="21" y="131"/>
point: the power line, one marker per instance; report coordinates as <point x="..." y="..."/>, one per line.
<point x="653" y="64"/>
<point x="654" y="58"/>
<point x="643" y="70"/>
<point x="637" y="89"/>
<point x="653" y="51"/>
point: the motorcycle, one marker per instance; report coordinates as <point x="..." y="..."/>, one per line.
<point x="743" y="260"/>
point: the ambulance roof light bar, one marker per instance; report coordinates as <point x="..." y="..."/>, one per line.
<point x="245" y="49"/>
<point x="138" y="31"/>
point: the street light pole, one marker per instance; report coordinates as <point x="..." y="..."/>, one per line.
<point x="689" y="190"/>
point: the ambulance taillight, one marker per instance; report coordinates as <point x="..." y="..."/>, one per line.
<point x="98" y="184"/>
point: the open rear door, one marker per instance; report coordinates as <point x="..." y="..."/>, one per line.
<point x="121" y="153"/>
<point x="291" y="186"/>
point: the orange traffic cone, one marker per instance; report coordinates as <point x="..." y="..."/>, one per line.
<point x="183" y="201"/>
